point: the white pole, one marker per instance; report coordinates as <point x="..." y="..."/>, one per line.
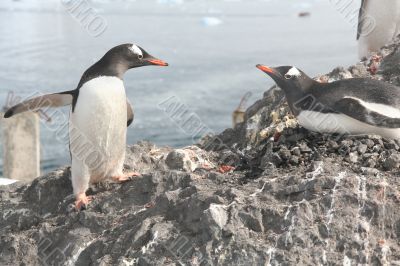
<point x="21" y="146"/>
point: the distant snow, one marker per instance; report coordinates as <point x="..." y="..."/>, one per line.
<point x="59" y="5"/>
<point x="29" y="5"/>
<point x="6" y="181"/>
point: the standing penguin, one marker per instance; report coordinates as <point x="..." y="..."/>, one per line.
<point x="99" y="117"/>
<point x="351" y="106"/>
<point x="378" y="24"/>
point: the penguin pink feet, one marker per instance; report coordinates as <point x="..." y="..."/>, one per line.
<point x="126" y="177"/>
<point x="82" y="201"/>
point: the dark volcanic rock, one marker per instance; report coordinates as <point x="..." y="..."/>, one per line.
<point x="267" y="192"/>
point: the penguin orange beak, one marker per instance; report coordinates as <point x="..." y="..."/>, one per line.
<point x="266" y="69"/>
<point x="157" y="62"/>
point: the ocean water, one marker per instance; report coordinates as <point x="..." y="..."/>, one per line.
<point x="212" y="47"/>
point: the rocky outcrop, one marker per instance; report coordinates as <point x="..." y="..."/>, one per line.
<point x="265" y="193"/>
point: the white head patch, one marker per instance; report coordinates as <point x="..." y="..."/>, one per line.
<point x="136" y="50"/>
<point x="293" y="72"/>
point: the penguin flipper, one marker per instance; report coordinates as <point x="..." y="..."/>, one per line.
<point x="48" y="100"/>
<point x="356" y="109"/>
<point x="361" y="17"/>
<point x="130" y="112"/>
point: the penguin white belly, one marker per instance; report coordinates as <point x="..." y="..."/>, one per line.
<point x="98" y="131"/>
<point x="385" y="19"/>
<point x="342" y="124"/>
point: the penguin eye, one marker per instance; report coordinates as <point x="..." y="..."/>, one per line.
<point x="287" y="76"/>
<point x="140" y="56"/>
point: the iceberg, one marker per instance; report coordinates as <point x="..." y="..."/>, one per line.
<point x="170" y="2"/>
<point x="210" y="21"/>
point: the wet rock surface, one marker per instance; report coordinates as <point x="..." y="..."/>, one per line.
<point x="265" y="193"/>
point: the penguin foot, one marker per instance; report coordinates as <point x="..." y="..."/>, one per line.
<point x="126" y="177"/>
<point x="82" y="201"/>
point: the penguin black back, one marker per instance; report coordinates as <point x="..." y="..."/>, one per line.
<point x="349" y="106"/>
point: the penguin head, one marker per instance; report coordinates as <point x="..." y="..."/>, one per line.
<point x="288" y="78"/>
<point x="127" y="56"/>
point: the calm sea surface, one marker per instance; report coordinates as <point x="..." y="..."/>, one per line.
<point x="212" y="48"/>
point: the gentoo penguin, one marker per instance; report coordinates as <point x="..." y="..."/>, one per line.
<point x="99" y="117"/>
<point x="351" y="106"/>
<point x="378" y="24"/>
